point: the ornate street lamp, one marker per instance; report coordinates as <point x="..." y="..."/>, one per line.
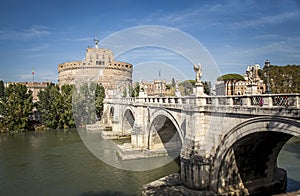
<point x="267" y="68"/>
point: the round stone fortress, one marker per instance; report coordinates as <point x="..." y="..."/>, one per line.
<point x="99" y="62"/>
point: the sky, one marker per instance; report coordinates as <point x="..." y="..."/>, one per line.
<point x="235" y="33"/>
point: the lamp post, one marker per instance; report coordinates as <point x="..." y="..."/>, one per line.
<point x="267" y="68"/>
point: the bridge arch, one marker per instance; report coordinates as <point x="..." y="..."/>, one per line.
<point x="109" y="116"/>
<point x="246" y="158"/>
<point x="128" y="119"/>
<point x="164" y="133"/>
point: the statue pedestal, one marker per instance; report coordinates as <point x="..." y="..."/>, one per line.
<point x="252" y="89"/>
<point x="199" y="89"/>
<point x="142" y="94"/>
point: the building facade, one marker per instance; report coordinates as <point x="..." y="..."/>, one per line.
<point x="155" y="88"/>
<point x="252" y="84"/>
<point x="100" y="66"/>
<point x="35" y="87"/>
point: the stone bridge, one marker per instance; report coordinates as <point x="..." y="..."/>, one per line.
<point x="227" y="144"/>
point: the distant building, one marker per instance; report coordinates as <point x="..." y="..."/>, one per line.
<point x="242" y="87"/>
<point x="35" y="87"/>
<point x="99" y="63"/>
<point x="156" y="88"/>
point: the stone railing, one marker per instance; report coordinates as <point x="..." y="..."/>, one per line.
<point x="263" y="100"/>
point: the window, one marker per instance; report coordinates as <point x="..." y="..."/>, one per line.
<point x="100" y="62"/>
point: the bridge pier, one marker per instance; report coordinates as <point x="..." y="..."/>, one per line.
<point x="139" y="137"/>
<point x="195" y="173"/>
<point x="195" y="165"/>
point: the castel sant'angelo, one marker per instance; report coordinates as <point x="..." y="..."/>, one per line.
<point x="98" y="62"/>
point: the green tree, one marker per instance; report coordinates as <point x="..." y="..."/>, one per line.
<point x="207" y="87"/>
<point x="16" y="106"/>
<point x="49" y="104"/>
<point x="66" y="115"/>
<point x="84" y="104"/>
<point x="173" y="83"/>
<point x="134" y="92"/>
<point x="2" y="88"/>
<point x="2" y="104"/>
<point x="284" y="79"/>
<point x="55" y="106"/>
<point x="186" y="87"/>
<point x="230" y="80"/>
<point x="99" y="98"/>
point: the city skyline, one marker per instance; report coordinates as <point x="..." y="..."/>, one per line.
<point x="43" y="34"/>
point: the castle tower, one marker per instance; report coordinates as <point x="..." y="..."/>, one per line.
<point x="113" y="75"/>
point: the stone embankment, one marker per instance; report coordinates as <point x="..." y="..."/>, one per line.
<point x="171" y="186"/>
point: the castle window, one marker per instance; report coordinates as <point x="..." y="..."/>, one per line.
<point x="100" y="62"/>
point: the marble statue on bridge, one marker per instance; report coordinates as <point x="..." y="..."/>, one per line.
<point x="198" y="70"/>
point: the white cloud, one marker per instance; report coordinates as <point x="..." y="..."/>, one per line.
<point x="25" y="34"/>
<point x="271" y="19"/>
<point x="79" y="39"/>
<point x="37" y="48"/>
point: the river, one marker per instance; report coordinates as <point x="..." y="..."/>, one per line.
<point x="58" y="163"/>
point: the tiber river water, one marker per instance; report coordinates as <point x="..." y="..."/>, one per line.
<point x="58" y="163"/>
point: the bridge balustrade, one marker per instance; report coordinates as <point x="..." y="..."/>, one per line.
<point x="264" y="100"/>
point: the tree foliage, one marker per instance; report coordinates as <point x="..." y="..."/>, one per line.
<point x="284" y="79"/>
<point x="134" y="92"/>
<point x="88" y="103"/>
<point x="1" y="89"/>
<point x="186" y="87"/>
<point x="55" y="106"/>
<point x="99" y="98"/>
<point x="231" y="77"/>
<point x="16" y="106"/>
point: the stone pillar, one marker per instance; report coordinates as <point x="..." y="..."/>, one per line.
<point x="105" y="119"/>
<point x="195" y="172"/>
<point x="195" y="165"/>
<point x="117" y="119"/>
<point x="139" y="136"/>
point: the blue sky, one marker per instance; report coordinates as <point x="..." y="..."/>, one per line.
<point x="42" y="34"/>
